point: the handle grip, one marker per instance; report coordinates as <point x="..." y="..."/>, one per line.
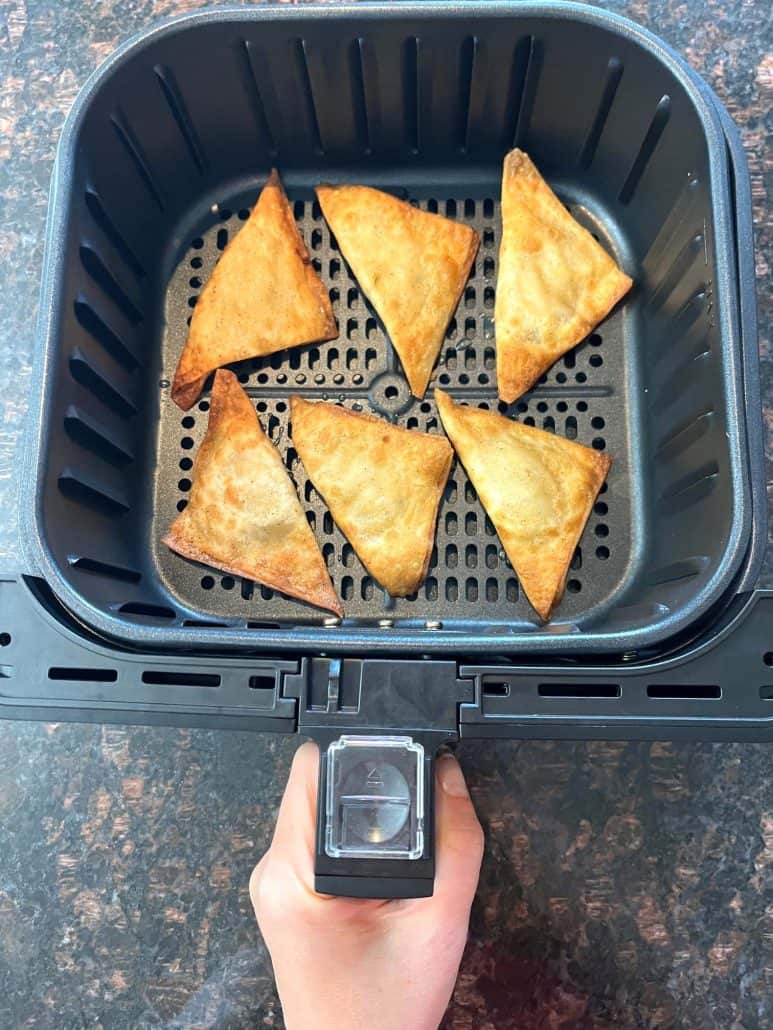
<point x="375" y="818"/>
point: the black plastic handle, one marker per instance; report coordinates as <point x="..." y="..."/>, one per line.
<point x="363" y="875"/>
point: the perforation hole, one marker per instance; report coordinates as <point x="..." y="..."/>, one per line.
<point x="600" y="508"/>
<point x="492" y="590"/>
<point x="582" y="405"/>
<point x="561" y="377"/>
<point x="311" y="518"/>
<point x="452" y="556"/>
<point x="470" y="494"/>
<point x="207" y="582"/>
<point x="471" y="556"/>
<point x="576" y="562"/>
<point x="488" y="238"/>
<point x="574" y="586"/>
<point x="452" y="589"/>
<point x="471" y="523"/>
<point x="327" y="523"/>
<point x="186" y="443"/>
<point x="602" y="530"/>
<point x="366" y="589"/>
<point x="432" y="206"/>
<point x="492" y="556"/>
<point x="595" y="361"/>
<point x="316" y="239"/>
<point x="222" y="239"/>
<point x="471" y="589"/>
<point x="488" y="267"/>
<point x="450" y="491"/>
<point x="347" y="588"/>
<point x="595" y="340"/>
<point x="186" y="463"/>
<point x="452" y="523"/>
<point x="196" y="262"/>
<point x="602" y="553"/>
<point x="430" y="588"/>
<point x="451" y="209"/>
<point x="184" y="485"/>
<point x="182" y="504"/>
<point x="511" y="590"/>
<point x="243" y="214"/>
<point x="227" y="582"/>
<point x="469" y="297"/>
<point x="598" y="443"/>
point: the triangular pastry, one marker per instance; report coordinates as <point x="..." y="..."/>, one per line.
<point x="555" y="282"/>
<point x="411" y="264"/>
<point x="537" y="488"/>
<point x="244" y="516"/>
<point x="262" y="297"/>
<point x="383" y="486"/>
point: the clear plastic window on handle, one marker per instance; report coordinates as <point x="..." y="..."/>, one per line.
<point x="374" y="806"/>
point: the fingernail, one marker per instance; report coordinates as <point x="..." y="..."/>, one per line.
<point x="451" y="777"/>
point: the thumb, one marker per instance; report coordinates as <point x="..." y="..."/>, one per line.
<point x="458" y="834"/>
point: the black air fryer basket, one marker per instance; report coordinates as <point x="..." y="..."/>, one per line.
<point x="661" y="632"/>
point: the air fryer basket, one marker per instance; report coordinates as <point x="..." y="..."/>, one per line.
<point x="164" y="152"/>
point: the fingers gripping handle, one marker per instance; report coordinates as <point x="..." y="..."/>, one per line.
<point x="375" y="818"/>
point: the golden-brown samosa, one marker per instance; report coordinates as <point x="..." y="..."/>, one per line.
<point x="383" y="486"/>
<point x="555" y="282"/>
<point x="262" y="297"/>
<point x="537" y="488"/>
<point x="244" y="516"/>
<point x="411" y="264"/>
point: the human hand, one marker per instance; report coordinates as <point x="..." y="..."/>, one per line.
<point x="355" y="963"/>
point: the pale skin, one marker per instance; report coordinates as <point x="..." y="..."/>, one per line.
<point x="351" y="963"/>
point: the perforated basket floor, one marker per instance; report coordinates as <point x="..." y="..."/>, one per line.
<point x="470" y="579"/>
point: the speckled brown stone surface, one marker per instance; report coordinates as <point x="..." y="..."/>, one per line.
<point x="624" y="885"/>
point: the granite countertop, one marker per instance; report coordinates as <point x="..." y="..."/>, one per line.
<point x="624" y="885"/>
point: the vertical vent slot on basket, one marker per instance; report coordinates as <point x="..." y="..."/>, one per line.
<point x="108" y="227"/>
<point x="359" y="96"/>
<point x="609" y="92"/>
<point x="307" y="94"/>
<point x="83" y="372"/>
<point x="646" y="150"/>
<point x="96" y="496"/>
<point x="172" y="95"/>
<point x="580" y="690"/>
<point x="255" y="98"/>
<point x="531" y="55"/>
<point x="467" y="55"/>
<point x="137" y="156"/>
<point x="107" y="282"/>
<point x="683" y="692"/>
<point x="411" y="99"/>
<point x="89" y="434"/>
<point x="100" y="331"/>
